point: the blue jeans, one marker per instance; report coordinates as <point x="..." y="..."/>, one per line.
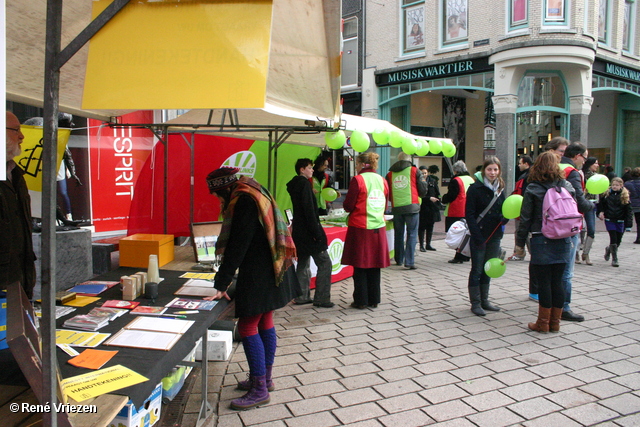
<point x="568" y="271"/>
<point x="479" y="256"/>
<point x="405" y="251"/>
<point x="590" y="220"/>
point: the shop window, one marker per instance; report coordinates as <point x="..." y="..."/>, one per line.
<point x="350" y="52"/>
<point x="413" y="29"/>
<point x="518" y="14"/>
<point x="556" y="12"/>
<point x="628" y="29"/>
<point x="541" y="90"/>
<point x="454" y="22"/>
<point x="604" y="21"/>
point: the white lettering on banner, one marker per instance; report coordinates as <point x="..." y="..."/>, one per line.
<point x="123" y="147"/>
<point x="245" y="161"/>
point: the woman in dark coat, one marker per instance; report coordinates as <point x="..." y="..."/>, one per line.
<point x="486" y="232"/>
<point x="429" y="210"/>
<point x="255" y="241"/>
<point x="365" y="246"/>
<point x="633" y="187"/>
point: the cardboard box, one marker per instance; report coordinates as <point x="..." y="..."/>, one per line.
<point x="135" y="249"/>
<point x="145" y="416"/>
<point x="218" y="346"/>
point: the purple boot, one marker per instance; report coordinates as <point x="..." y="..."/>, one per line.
<point x="246" y="384"/>
<point x="256" y="396"/>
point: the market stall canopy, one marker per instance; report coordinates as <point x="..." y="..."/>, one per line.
<point x="252" y="124"/>
<point x="169" y="68"/>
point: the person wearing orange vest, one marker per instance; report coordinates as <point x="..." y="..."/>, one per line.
<point x="365" y="246"/>
<point x="574" y="156"/>
<point x="406" y="187"/>
<point x="455" y="199"/>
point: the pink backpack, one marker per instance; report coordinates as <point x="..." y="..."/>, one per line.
<point x="560" y="216"/>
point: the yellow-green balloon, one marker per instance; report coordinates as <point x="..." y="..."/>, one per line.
<point x="435" y="146"/>
<point x="448" y="149"/>
<point x="395" y="139"/>
<point x="329" y="194"/>
<point x="360" y="141"/>
<point x="381" y="136"/>
<point x="511" y="206"/>
<point x="423" y="147"/>
<point x="409" y="146"/>
<point x="597" y="184"/>
<point x="335" y="140"/>
<point x="495" y="267"/>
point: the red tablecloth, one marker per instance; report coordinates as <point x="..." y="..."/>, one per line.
<point x="335" y="240"/>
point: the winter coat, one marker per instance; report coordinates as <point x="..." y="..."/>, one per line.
<point x="248" y="252"/>
<point x="633" y="186"/>
<point x="429" y="211"/>
<point x="478" y="198"/>
<point x="576" y="181"/>
<point x="614" y="210"/>
<point x="307" y="233"/>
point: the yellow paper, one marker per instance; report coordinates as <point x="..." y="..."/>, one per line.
<point x="79" y="338"/>
<point x="103" y="381"/>
<point x="205" y="276"/>
<point x="81" y="301"/>
<point x="185" y="54"/>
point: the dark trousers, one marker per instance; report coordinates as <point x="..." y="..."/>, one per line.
<point x="425" y="227"/>
<point x="637" y="216"/>
<point x="615" y="237"/>
<point x="366" y="286"/>
<point x="548" y="278"/>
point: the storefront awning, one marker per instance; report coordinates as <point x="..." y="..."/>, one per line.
<point x="303" y="72"/>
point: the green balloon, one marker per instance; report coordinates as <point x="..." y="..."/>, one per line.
<point x="360" y="141"/>
<point x="511" y="206"/>
<point x="597" y="184"/>
<point x="435" y="146"/>
<point x="409" y="146"/>
<point x="495" y="267"/>
<point x="395" y="139"/>
<point x="329" y="194"/>
<point x="423" y="147"/>
<point x="448" y="149"/>
<point x="381" y="136"/>
<point x="335" y="140"/>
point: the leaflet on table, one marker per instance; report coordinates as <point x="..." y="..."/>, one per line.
<point x="149" y="310"/>
<point x="197" y="288"/>
<point x="80" y="338"/>
<point x="120" y="304"/>
<point x="92" y="359"/>
<point x="144" y="339"/>
<point x="92" y="287"/>
<point x="191" y="304"/>
<point x="86" y="322"/>
<point x="108" y="312"/>
<point x="204" y="276"/>
<point x="103" y="381"/>
<point x="60" y="311"/>
<point x="176" y="326"/>
<point x="81" y="301"/>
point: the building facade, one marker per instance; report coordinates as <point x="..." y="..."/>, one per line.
<point x="504" y="77"/>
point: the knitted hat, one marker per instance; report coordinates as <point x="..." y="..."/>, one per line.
<point x="222" y="178"/>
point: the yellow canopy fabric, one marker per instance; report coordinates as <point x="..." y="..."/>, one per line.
<point x="303" y="72"/>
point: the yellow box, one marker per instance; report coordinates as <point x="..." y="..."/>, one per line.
<point x="135" y="249"/>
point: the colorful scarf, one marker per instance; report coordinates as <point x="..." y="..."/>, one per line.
<point x="275" y="227"/>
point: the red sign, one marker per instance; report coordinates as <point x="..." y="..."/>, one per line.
<point x="116" y="156"/>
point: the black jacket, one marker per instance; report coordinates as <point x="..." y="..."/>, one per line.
<point x="633" y="187"/>
<point x="248" y="252"/>
<point x="453" y="189"/>
<point x="614" y="210"/>
<point x="478" y="198"/>
<point x="531" y="212"/>
<point x="307" y="233"/>
<point x="575" y="179"/>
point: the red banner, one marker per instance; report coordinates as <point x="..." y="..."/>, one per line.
<point x="116" y="156"/>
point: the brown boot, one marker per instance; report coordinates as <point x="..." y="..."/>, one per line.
<point x="542" y="324"/>
<point x="554" y="322"/>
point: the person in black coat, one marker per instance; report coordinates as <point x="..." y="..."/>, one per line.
<point x="633" y="187"/>
<point x="309" y="237"/>
<point x="255" y="241"/>
<point x="429" y="210"/>
<point x="615" y="209"/>
<point x="486" y="231"/>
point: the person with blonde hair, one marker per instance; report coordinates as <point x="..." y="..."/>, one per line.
<point x="615" y="210"/>
<point x="365" y="246"/>
<point x="483" y="213"/>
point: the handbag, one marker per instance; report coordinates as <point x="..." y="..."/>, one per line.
<point x="459" y="236"/>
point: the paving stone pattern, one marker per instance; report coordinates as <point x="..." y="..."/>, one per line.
<point x="422" y="358"/>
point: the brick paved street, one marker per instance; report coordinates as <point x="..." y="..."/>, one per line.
<point x="422" y="358"/>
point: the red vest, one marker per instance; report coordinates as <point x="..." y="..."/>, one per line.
<point x="371" y="202"/>
<point x="456" y="208"/>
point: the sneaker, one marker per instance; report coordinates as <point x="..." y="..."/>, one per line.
<point x="515" y="258"/>
<point x="410" y="267"/>
<point x="534" y="297"/>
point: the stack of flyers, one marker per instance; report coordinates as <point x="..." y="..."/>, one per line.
<point x="191" y="304"/>
<point x="152" y="311"/>
<point x="108" y="312"/>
